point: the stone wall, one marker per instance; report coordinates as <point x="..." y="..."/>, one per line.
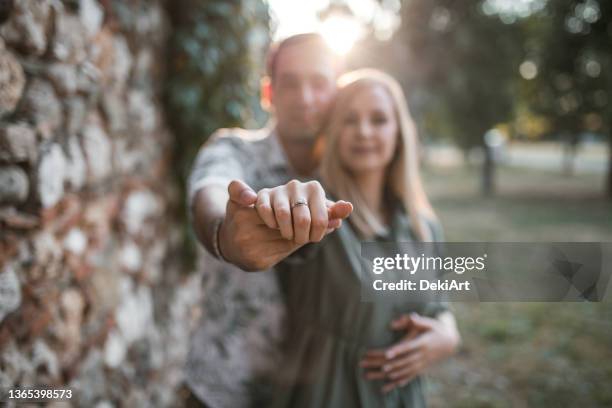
<point x="91" y="291"/>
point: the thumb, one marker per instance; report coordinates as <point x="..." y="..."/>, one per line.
<point x="402" y="322"/>
<point x="241" y="194"/>
<point x="422" y="322"/>
<point x="340" y="210"/>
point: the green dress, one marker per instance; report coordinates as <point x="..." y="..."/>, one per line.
<point x="330" y="328"/>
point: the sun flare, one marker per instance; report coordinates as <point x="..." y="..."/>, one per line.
<point x="341" y="33"/>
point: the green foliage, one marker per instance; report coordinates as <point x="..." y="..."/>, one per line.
<point x="465" y="61"/>
<point x="570" y="43"/>
<point x="216" y="54"/>
<point x="215" y="60"/>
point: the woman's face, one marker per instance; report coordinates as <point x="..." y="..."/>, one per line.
<point x="368" y="131"/>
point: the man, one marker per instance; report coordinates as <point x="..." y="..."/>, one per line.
<point x="243" y="312"/>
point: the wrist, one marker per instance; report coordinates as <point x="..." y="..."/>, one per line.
<point x="452" y="341"/>
<point x="216" y="239"/>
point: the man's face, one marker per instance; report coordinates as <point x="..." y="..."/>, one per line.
<point x="303" y="87"/>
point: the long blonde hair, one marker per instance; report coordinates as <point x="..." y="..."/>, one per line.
<point x="402" y="174"/>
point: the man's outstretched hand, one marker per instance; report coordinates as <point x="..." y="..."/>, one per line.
<point x="252" y="244"/>
<point x="300" y="211"/>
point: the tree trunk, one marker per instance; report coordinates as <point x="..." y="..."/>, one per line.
<point x="609" y="178"/>
<point x="488" y="172"/>
<point x="466" y="157"/>
<point x="570" y="149"/>
<point x="569" y="158"/>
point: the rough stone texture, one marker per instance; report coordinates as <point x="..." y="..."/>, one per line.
<point x="76" y="111"/>
<point x="18" y="143"/>
<point x="97" y="148"/>
<point x="10" y="292"/>
<point x="41" y="106"/>
<point x="51" y="175"/>
<point x="27" y="28"/>
<point x="70" y="41"/>
<point x="91" y="295"/>
<point x="12" y="81"/>
<point x="14" y="185"/>
<point x="76" y="168"/>
<point x="91" y="15"/>
<point x="63" y="77"/>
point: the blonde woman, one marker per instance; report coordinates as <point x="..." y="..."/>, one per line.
<point x="340" y="351"/>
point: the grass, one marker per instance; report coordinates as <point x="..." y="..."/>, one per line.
<point x="525" y="354"/>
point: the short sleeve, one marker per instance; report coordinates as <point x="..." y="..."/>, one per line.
<point x="219" y="161"/>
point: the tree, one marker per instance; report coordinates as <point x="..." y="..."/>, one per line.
<point x="466" y="62"/>
<point x="570" y="45"/>
<point x="216" y="57"/>
<point x="216" y="53"/>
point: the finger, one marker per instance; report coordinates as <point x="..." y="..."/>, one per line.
<point x="403" y="347"/>
<point x="340" y="210"/>
<point x="422" y="322"/>
<point x="334" y="224"/>
<point x="401" y="322"/>
<point x="373" y="359"/>
<point x="375" y="353"/>
<point x="399" y="364"/>
<point x="301" y="214"/>
<point x="375" y="375"/>
<point x="241" y="193"/>
<point x="373" y="362"/>
<point x="318" y="211"/>
<point x="282" y="213"/>
<point x="301" y="224"/>
<point x="264" y="208"/>
<point x="395" y="384"/>
<point x="264" y="234"/>
<point x="243" y="215"/>
<point x="409" y="371"/>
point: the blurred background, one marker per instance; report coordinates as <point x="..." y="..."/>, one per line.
<point x="103" y="105"/>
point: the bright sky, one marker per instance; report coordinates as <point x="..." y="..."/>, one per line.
<point x="293" y="17"/>
<point x="297" y="16"/>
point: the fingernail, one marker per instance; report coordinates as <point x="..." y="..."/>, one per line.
<point x="386" y="368"/>
<point x="389" y="354"/>
<point x="246" y="194"/>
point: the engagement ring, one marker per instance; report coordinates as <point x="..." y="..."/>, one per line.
<point x="299" y="202"/>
